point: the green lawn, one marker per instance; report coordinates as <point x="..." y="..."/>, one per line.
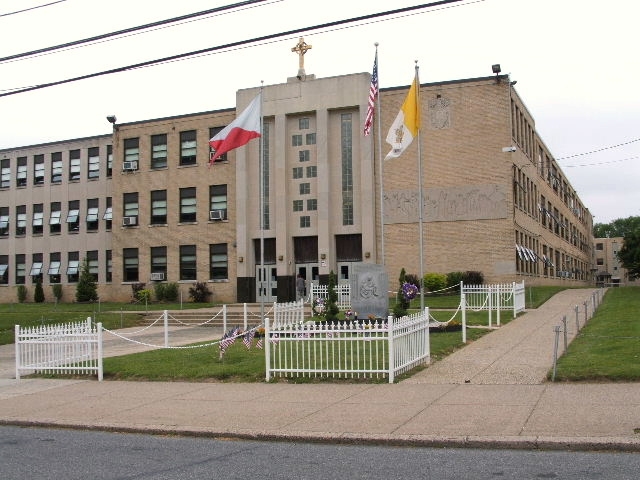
<point x="608" y="347"/>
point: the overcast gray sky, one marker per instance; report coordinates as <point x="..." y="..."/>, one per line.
<point x="575" y="61"/>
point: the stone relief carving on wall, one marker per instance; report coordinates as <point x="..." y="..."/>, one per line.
<point x="440" y="113"/>
<point x="447" y="204"/>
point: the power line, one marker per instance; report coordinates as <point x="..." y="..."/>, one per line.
<point x="127" y="30"/>
<point x="31" y="8"/>
<point x="600" y="149"/>
<point x="230" y="45"/>
<point x="600" y="163"/>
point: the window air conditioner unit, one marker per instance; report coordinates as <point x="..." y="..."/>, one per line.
<point x="216" y="215"/>
<point x="157" y="276"/>
<point x="129" y="221"/>
<point x="131" y="165"/>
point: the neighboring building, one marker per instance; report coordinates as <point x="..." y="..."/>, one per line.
<point x="495" y="200"/>
<point x="609" y="271"/>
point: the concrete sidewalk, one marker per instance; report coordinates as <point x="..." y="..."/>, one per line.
<point x="490" y="394"/>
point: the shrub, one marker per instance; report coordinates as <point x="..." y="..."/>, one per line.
<point x="144" y="295"/>
<point x="135" y="288"/>
<point x="86" y="289"/>
<point x="454" y="278"/>
<point x="473" y="278"/>
<point x="38" y="295"/>
<point x="435" y="281"/>
<point x="412" y="278"/>
<point x="199" y="292"/>
<point x="22" y="293"/>
<point x="402" y="304"/>
<point x="159" y="289"/>
<point x="171" y="292"/>
<point x="57" y="291"/>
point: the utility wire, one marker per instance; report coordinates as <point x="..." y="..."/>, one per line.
<point x="600" y="149"/>
<point x="231" y="45"/>
<point x="31" y="8"/>
<point x="127" y="30"/>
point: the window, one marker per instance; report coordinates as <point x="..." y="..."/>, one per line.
<point x="188" y="204"/>
<point x="599" y="246"/>
<point x="74" y="165"/>
<point x="73" y="267"/>
<point x="109" y="161"/>
<point x="108" y="214"/>
<point x="131" y="153"/>
<point x="159" y="151"/>
<point x="92" y="214"/>
<point x="54" y="267"/>
<point x="312" y="204"/>
<point x="21" y="269"/>
<point x="5" y="173"/>
<point x="38" y="169"/>
<point x="188" y="262"/>
<point x="346" y="143"/>
<point x="93" y="162"/>
<point x="303" y="123"/>
<point x="305" y="188"/>
<point x="130" y="205"/>
<point x="305" y="221"/>
<point x="55" y="223"/>
<point x="92" y="263"/>
<point x="4" y="221"/>
<point x="56" y="167"/>
<point x="36" y="267"/>
<point x="304" y="155"/>
<point x="212" y="133"/>
<point x="298" y="172"/>
<point x="218" y="199"/>
<point x="312" y="171"/>
<point x="158" y="207"/>
<point x="296" y="140"/>
<point x="4" y="268"/>
<point x="188" y="148"/>
<point x="73" y="217"/>
<point x="159" y="261"/>
<point x="130" y="264"/>
<point x="310" y="138"/>
<point x="37" y="226"/>
<point x="21" y="177"/>
<point x="599" y="261"/>
<point x="298" y="205"/>
<point x="219" y="262"/>
<point x="21" y="219"/>
<point x="108" y="266"/>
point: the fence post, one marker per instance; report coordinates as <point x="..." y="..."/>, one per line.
<point x="577" y="321"/>
<point x="555" y="352"/>
<point x="391" y="352"/>
<point x="224" y="318"/>
<point x="244" y="310"/>
<point x="165" y="314"/>
<point x="463" y="301"/>
<point x="18" y="354"/>
<point x="267" y="349"/>
<point x="564" y="327"/>
<point x="586" y="317"/>
<point x="490" y="302"/>
<point x="99" y="335"/>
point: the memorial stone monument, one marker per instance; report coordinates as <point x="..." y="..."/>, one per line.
<point x="369" y="287"/>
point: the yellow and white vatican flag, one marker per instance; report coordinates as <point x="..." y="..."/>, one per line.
<point x="406" y="125"/>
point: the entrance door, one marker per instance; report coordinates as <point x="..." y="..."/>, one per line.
<point x="310" y="272"/>
<point x="266" y="283"/>
<point x="344" y="271"/>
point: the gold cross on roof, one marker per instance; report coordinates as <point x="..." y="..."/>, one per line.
<point x="301" y="48"/>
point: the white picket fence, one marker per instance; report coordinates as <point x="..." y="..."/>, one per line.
<point x="322" y="291"/>
<point x="490" y="298"/>
<point x="288" y="313"/>
<point x="70" y="348"/>
<point x="347" y="350"/>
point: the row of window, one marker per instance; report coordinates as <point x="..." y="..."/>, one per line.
<point x="218" y="265"/>
<point x="535" y="258"/>
<point x="55" y="170"/>
<point x="56" y="218"/>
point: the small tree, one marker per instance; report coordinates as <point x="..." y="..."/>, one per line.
<point x="57" y="291"/>
<point x="171" y="291"/>
<point x="629" y="254"/>
<point x="402" y="304"/>
<point x="86" y="289"/>
<point x="331" y="308"/>
<point x="38" y="295"/>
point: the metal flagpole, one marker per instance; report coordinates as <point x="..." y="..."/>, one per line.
<point x="380" y="162"/>
<point x="420" y="197"/>
<point x="261" y="189"/>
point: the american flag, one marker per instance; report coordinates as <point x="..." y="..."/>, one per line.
<point x="248" y="337"/>
<point x="373" y="93"/>
<point x="259" y="343"/>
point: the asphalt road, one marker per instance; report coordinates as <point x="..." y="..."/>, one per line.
<point x="39" y="453"/>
